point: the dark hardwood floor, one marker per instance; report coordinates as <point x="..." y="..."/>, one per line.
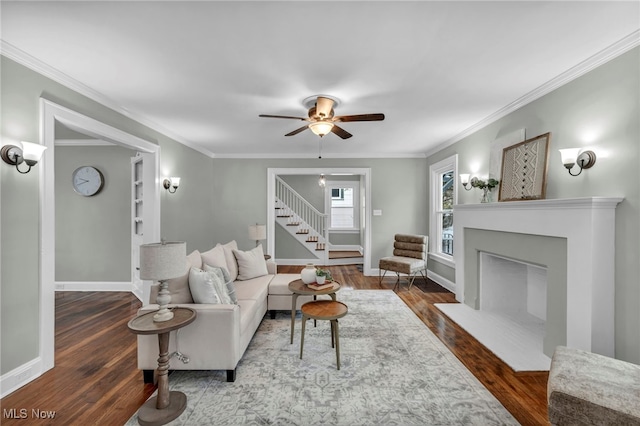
<point x="96" y="382"/>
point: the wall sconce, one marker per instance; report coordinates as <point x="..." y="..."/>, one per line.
<point x="27" y="152"/>
<point x="466" y="182"/>
<point x="171" y="184"/>
<point x="571" y="156"/>
<point x="322" y="181"/>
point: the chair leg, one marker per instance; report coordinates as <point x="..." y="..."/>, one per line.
<point x="381" y="277"/>
<point x="397" y="282"/>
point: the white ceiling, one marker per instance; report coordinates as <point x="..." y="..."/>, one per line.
<point x="202" y="71"/>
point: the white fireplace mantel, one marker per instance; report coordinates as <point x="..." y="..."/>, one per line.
<point x="588" y="224"/>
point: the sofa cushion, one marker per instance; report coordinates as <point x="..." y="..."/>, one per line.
<point x="179" y="287"/>
<point x="251" y="264"/>
<point x="254" y="289"/>
<point x="280" y="283"/>
<point x="223" y="276"/>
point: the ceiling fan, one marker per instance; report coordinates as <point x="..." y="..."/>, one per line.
<point x="322" y="120"/>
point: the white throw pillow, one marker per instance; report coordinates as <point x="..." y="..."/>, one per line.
<point x="251" y="264"/>
<point x="223" y="275"/>
<point x="232" y="266"/>
<point x="215" y="257"/>
<point x="202" y="287"/>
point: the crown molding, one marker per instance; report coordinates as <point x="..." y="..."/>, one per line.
<point x="10" y="51"/>
<point x="622" y="46"/>
<point x="82" y="142"/>
<point x="315" y="156"/>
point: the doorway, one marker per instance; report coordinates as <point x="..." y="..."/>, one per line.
<point x="51" y="114"/>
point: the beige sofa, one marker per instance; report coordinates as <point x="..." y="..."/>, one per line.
<point x="219" y="336"/>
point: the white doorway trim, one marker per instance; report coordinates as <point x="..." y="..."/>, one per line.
<point x="50" y="113"/>
<point x="271" y="201"/>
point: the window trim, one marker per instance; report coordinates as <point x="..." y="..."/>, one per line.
<point x="355" y="185"/>
<point x="435" y="231"/>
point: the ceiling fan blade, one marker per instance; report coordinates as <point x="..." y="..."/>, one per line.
<point x="324" y="106"/>
<point x="340" y="132"/>
<point x="301" y="129"/>
<point x="282" y="116"/>
<point x="359" y="117"/>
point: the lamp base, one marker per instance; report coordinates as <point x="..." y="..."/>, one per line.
<point x="161" y="316"/>
<point x="163" y="300"/>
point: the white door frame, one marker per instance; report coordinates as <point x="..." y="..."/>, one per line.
<point x="271" y="201"/>
<point x="49" y="114"/>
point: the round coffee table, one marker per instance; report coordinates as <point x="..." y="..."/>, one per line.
<point x="167" y="405"/>
<point x="298" y="287"/>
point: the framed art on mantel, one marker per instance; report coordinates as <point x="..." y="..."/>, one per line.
<point x="524" y="170"/>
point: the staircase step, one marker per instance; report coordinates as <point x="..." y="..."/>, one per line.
<point x="312" y="239"/>
<point x="293" y="224"/>
<point x="302" y="231"/>
<point x="320" y="246"/>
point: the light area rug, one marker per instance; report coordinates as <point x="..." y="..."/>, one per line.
<point x="515" y="340"/>
<point x="394" y="371"/>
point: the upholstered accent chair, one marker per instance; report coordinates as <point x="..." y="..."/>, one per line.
<point x="409" y="257"/>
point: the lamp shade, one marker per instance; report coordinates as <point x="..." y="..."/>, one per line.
<point x="32" y="152"/>
<point x="569" y="155"/>
<point x="464" y="178"/>
<point x="257" y="232"/>
<point x="162" y="261"/>
<point x="321" y="128"/>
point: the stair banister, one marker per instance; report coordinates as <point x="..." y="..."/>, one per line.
<point x="302" y="208"/>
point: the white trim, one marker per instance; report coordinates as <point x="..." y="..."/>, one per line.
<point x="50" y="113"/>
<point x="93" y="286"/>
<point x="297" y="261"/>
<point x="435" y="233"/>
<point x="618" y="48"/>
<point x="46" y="70"/>
<point x="315" y="156"/>
<point x="442" y="281"/>
<point x="437" y="257"/>
<point x="82" y="142"/>
<point x="271" y="219"/>
<point x="20" y="376"/>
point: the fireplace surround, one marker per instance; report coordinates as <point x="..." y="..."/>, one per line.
<point x="573" y="238"/>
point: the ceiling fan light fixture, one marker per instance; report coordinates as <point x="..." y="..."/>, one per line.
<point x="321" y="128"/>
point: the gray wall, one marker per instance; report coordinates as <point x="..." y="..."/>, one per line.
<point x="604" y="105"/>
<point x="93" y="234"/>
<point x="398" y="189"/>
<point x="21" y="91"/>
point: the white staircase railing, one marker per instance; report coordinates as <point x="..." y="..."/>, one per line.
<point x="302" y="208"/>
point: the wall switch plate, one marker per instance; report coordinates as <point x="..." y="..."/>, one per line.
<point x="377" y="212"/>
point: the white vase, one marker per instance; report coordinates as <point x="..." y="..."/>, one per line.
<point x="308" y="274"/>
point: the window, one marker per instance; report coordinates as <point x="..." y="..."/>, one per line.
<point x="342" y="206"/>
<point x="443" y="197"/>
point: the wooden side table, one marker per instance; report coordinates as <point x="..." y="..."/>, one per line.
<point x="324" y="310"/>
<point x="166" y="406"/>
<point x="298" y="287"/>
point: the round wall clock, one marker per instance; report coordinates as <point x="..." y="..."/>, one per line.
<point x="87" y="181"/>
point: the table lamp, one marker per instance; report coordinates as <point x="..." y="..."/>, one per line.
<point x="257" y="233"/>
<point x="161" y="262"/>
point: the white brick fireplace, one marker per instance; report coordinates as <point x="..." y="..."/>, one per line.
<point x="573" y="239"/>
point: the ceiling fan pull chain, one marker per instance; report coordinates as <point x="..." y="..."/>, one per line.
<point x="320" y="148"/>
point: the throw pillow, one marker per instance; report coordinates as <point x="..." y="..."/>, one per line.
<point x="215" y="257"/>
<point x="222" y="274"/>
<point x="251" y="264"/>
<point x="179" y="286"/>
<point x="232" y="266"/>
<point x="202" y="287"/>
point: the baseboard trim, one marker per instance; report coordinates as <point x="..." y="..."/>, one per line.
<point x="20" y="376"/>
<point x="442" y="281"/>
<point x="94" y="286"/>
